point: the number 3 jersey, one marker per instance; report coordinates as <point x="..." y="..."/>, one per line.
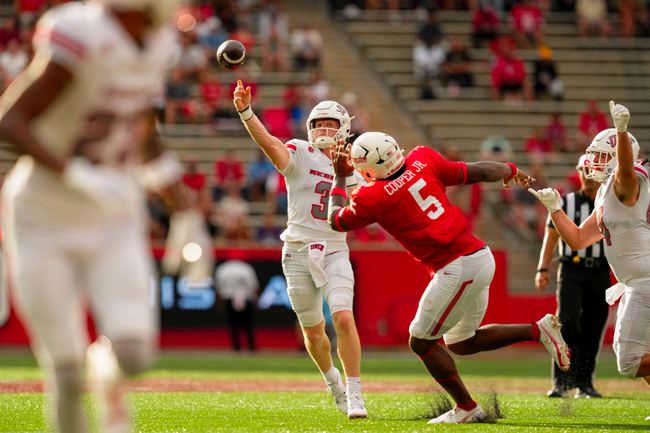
<point x="309" y="177"/>
<point x="625" y="229"/>
<point x="415" y="209"/>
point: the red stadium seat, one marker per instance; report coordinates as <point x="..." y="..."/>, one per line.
<point x="278" y="122"/>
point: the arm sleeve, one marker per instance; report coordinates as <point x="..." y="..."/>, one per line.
<point x="357" y="214"/>
<point x="450" y="172"/>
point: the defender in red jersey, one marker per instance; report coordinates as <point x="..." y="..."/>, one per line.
<point x="406" y="196"/>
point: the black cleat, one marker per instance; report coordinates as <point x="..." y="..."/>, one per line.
<point x="557" y="393"/>
<point x="588" y="392"/>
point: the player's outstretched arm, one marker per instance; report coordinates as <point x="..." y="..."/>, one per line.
<point x="493" y="171"/>
<point x="626" y="182"/>
<point x="576" y="237"/>
<point x="17" y="115"/>
<point x="273" y="147"/>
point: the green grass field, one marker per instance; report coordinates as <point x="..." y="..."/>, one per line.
<point x="399" y="395"/>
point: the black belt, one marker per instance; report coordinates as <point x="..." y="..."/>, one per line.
<point x="585" y="262"/>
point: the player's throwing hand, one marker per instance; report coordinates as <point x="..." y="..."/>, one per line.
<point x="241" y="96"/>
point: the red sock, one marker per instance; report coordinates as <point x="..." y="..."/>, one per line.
<point x="468" y="406"/>
<point x="535" y="331"/>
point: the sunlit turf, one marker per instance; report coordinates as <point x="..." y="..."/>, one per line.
<point x="524" y="375"/>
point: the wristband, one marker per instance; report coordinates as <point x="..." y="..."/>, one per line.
<point x="246" y="114"/>
<point x="513" y="171"/>
<point x="338" y="191"/>
<point x="542" y="270"/>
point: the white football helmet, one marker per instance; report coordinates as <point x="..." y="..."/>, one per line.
<point x="328" y="110"/>
<point x="376" y="155"/>
<point x="161" y="11"/>
<point x="601" y="154"/>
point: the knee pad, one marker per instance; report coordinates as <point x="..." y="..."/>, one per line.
<point x="133" y="356"/>
<point x="340" y="299"/>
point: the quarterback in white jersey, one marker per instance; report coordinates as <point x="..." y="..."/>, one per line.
<point x="73" y="207"/>
<point x="621" y="219"/>
<point x="315" y="259"/>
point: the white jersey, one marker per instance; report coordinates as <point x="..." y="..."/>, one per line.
<point x="100" y="114"/>
<point x="309" y="177"/>
<point x="625" y="229"/>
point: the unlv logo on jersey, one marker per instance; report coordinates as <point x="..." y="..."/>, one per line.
<point x="611" y="140"/>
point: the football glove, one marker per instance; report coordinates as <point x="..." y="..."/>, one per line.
<point x="549" y="197"/>
<point x="620" y="116"/>
<point x="188" y="250"/>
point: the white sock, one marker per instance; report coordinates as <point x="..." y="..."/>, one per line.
<point x="332" y="377"/>
<point x="354" y="385"/>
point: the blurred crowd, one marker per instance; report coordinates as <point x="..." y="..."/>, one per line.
<point x="443" y="67"/>
<point x="246" y="199"/>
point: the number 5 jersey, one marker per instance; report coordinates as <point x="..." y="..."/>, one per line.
<point x="414" y="208"/>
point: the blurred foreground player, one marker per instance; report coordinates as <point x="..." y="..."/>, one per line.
<point x="74" y="215"/>
<point x="406" y="196"/>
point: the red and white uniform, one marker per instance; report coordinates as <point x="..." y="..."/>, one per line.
<point x="416" y="211"/>
<point x="315" y="258"/>
<point x="626" y="236"/>
<point x="64" y="248"/>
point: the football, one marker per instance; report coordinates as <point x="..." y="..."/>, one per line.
<point x="231" y="54"/>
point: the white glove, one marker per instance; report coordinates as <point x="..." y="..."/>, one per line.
<point x="549" y="197"/>
<point x="620" y="116"/>
<point x="188" y="250"/>
<point x="112" y="189"/>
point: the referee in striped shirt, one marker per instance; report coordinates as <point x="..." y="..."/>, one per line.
<point x="583" y="277"/>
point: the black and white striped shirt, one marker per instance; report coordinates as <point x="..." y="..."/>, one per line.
<point x="578" y="207"/>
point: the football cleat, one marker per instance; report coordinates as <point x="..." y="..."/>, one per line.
<point x="337" y="389"/>
<point x="460" y="416"/>
<point x="356" y="409"/>
<point x="339" y="396"/>
<point x="588" y="392"/>
<point x="557" y="393"/>
<point x="551" y="337"/>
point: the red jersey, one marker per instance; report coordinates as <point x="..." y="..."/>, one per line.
<point x="415" y="209"/>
